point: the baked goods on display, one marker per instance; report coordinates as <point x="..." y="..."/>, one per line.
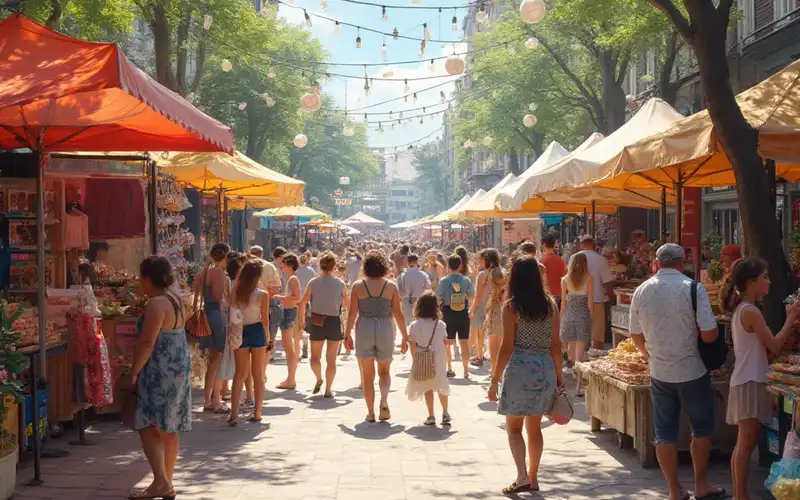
<point x="624" y="363"/>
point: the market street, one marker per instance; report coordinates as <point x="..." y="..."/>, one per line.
<point x="314" y="448"/>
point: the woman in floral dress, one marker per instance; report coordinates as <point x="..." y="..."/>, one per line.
<point x="161" y="375"/>
<point x="493" y="324"/>
<point x="529" y="364"/>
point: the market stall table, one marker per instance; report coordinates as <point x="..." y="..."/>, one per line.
<point x="627" y="408"/>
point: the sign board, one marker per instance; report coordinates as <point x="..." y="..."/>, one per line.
<point x="343" y="201"/>
<point x="692" y="221"/>
<point x="518" y="230"/>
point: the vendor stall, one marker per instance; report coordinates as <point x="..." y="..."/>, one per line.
<point x="781" y="438"/>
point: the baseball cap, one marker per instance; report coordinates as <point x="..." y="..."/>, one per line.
<point x="669" y="253"/>
<point x="587" y="238"/>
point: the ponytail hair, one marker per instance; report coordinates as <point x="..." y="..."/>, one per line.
<point x="743" y="272"/>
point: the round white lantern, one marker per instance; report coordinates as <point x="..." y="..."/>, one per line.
<point x="532" y="106"/>
<point x="529" y="121"/>
<point x="454" y="65"/>
<point x="226" y="65"/>
<point x="300" y="140"/>
<point x="532" y="11"/>
<point x="311" y="102"/>
<point x="487" y="141"/>
<point x="348" y="131"/>
<point x="242" y="106"/>
<point x="532" y="42"/>
<point x="270" y="101"/>
<point x="481" y="16"/>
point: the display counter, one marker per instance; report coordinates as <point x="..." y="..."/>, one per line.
<point x="627" y="408"/>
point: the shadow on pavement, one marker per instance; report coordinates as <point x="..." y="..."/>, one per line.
<point x="431" y="433"/>
<point x="372" y="430"/>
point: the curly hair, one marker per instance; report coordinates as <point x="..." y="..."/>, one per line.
<point x="427" y="306"/>
<point x="376" y="265"/>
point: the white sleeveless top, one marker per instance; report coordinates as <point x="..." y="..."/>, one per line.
<point x="576" y="290"/>
<point x="252" y="312"/>
<point x="751" y="355"/>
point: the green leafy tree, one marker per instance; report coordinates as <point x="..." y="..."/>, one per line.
<point x="108" y="20"/>
<point x="432" y="177"/>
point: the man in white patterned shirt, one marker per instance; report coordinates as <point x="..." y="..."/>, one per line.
<point x="664" y="326"/>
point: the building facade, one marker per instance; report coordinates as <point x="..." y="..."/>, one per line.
<point x="405" y="201"/>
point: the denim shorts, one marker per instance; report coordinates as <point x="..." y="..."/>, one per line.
<point x="695" y="397"/>
<point x="289" y="319"/>
<point x="254" y="336"/>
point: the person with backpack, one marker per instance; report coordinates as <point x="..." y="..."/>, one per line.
<point x="427" y="335"/>
<point x="454" y="291"/>
<point x="664" y="326"/>
<point x="749" y="403"/>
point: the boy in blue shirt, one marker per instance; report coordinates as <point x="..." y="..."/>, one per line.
<point x="455" y="291"/>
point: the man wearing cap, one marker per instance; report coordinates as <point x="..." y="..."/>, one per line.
<point x="664" y="326"/>
<point x="602" y="277"/>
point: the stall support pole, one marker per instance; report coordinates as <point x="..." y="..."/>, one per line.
<point x="37" y="452"/>
<point x="594" y="218"/>
<point x="41" y="263"/>
<point x="585" y="222"/>
<point x="679" y="212"/>
<point x="225" y="216"/>
<point x="152" y="200"/>
<point x="220" y="218"/>
<point x="664" y="230"/>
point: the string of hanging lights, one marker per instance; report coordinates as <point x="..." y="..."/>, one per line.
<point x="417" y="6"/>
<point x="395" y="34"/>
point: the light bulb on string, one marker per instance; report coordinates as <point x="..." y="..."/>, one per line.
<point x="384" y="52"/>
<point x="455" y="21"/>
<point x="396" y="34"/>
<point x="415" y="97"/>
<point x="358" y="39"/>
<point x="532" y="43"/>
<point x="425" y="31"/>
<point x="270" y="101"/>
<point x="482" y="16"/>
<point x="366" y="119"/>
<point x="406" y="98"/>
<point x="441" y="94"/>
<point x="337" y="30"/>
<point x="384" y="15"/>
<point x="532" y="11"/>
<point x="323" y="4"/>
<point x="401" y="114"/>
<point x="366" y="87"/>
<point x="406" y="86"/>
<point x="432" y="66"/>
<point x="391" y="115"/>
<point x="422" y="48"/>
<point x="307" y="17"/>
<point x="424" y="109"/>
<point x="420" y="120"/>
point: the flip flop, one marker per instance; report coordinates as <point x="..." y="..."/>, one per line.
<point x="254" y="419"/>
<point x="317" y="387"/>
<point x="513" y="488"/>
<point x="714" y="494"/>
<point x="370" y="418"/>
<point x="328" y="394"/>
<point x="286" y="387"/>
<point x="233" y="422"/>
<point x="222" y="410"/>
<point x="145" y="495"/>
<point x="208" y="409"/>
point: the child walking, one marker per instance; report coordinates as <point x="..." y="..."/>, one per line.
<point x="428" y="332"/>
<point x="749" y="404"/>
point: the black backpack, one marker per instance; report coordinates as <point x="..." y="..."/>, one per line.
<point x="714" y="353"/>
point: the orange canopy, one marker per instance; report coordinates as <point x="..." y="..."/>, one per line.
<point x="62" y="94"/>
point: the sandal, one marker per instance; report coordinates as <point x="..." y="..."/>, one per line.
<point x="222" y="410"/>
<point x="253" y="418"/>
<point x="513" y="488"/>
<point x="286" y="387"/>
<point x="317" y="387"/>
<point x="713" y="494"/>
<point x="384" y="413"/>
<point x="208" y="409"/>
<point x="370" y="418"/>
<point x="233" y="421"/>
<point x="146" y="495"/>
<point x="328" y="394"/>
<point x="430" y="420"/>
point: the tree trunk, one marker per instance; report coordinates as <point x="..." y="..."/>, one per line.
<point x="614" y="102"/>
<point x="740" y="142"/>
<point x="56" y="12"/>
<point x="513" y="162"/>
<point x="667" y="89"/>
<point x="163" y="47"/>
<point x="182" y="59"/>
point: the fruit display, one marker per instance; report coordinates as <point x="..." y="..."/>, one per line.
<point x="624" y="363"/>
<point x="786" y="489"/>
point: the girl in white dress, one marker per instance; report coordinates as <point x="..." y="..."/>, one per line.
<point x="427" y="330"/>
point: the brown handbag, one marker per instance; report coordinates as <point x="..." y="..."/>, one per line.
<point x="197" y="324"/>
<point x="318" y="320"/>
<point x="128" y="400"/>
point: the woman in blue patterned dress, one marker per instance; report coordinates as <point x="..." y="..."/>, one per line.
<point x="161" y="375"/>
<point x="529" y="363"/>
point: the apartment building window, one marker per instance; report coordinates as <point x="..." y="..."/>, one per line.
<point x="783" y="8"/>
<point x="726" y="223"/>
<point x="746" y="23"/>
<point x="650" y="64"/>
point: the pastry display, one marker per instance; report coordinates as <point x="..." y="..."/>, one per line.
<point x="624" y="363"/>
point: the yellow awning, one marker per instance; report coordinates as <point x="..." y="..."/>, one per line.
<point x="690" y="153"/>
<point x="236" y="175"/>
<point x="299" y="211"/>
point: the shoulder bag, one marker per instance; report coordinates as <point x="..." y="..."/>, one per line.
<point x="197" y="324"/>
<point x="714" y="353"/>
<point x="423" y="367"/>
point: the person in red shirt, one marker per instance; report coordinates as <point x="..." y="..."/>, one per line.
<point x="555" y="265"/>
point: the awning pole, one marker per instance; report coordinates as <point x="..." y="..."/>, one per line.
<point x="153" y="203"/>
<point x="225" y="217"/>
<point x="594" y="218"/>
<point x="664" y="215"/>
<point x="585" y="222"/>
<point x="41" y="264"/>
<point x="679" y="211"/>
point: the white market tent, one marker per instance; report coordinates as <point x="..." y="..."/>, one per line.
<point x="444" y="215"/>
<point x="478" y="208"/>
<point x="362" y="219"/>
<point x="554" y="152"/>
<point x="402" y="225"/>
<point x="587" y="165"/>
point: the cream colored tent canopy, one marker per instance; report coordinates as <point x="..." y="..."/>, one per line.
<point x="688" y="153"/>
<point x="481" y="209"/>
<point x="296" y="212"/>
<point x="444" y="215"/>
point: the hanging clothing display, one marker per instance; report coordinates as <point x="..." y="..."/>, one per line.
<point x="116" y="208"/>
<point x="91" y="351"/>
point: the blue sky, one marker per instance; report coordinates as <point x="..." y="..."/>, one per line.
<point x="343" y="49"/>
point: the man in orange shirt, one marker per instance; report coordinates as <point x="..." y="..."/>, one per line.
<point x="555" y="265"/>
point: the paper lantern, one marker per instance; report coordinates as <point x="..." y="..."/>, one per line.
<point x="226" y="65"/>
<point x="487" y="141"/>
<point x="348" y="131"/>
<point x="300" y="140"/>
<point x="481" y="16"/>
<point x="312" y="101"/>
<point x="532" y="11"/>
<point x="454" y="65"/>
<point x="242" y="106"/>
<point x="532" y="106"/>
<point x="529" y="121"/>
<point x="532" y="42"/>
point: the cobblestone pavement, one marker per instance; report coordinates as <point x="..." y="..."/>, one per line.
<point x="315" y="448"/>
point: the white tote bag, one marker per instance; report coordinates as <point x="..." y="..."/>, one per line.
<point x="227" y="366"/>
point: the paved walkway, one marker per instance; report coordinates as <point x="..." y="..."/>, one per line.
<point x="314" y="448"/>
